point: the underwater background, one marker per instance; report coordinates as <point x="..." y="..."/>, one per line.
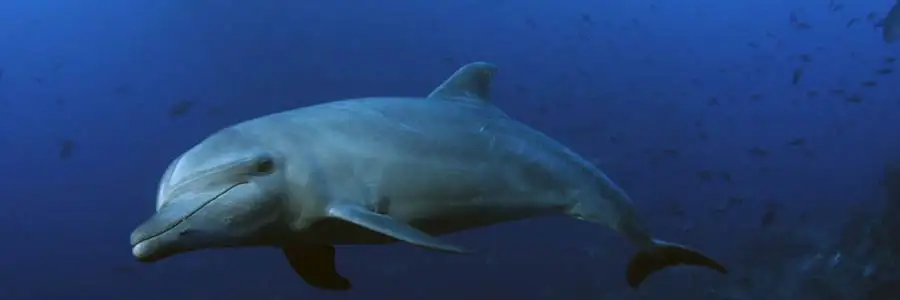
<point x="763" y="132"/>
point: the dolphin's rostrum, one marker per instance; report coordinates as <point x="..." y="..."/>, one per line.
<point x="381" y="170"/>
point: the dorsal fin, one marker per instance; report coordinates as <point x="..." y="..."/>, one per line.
<point x="470" y="82"/>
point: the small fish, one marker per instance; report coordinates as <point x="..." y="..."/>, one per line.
<point x="180" y="108"/>
<point x="803" y="25"/>
<point x="66" y="149"/>
<point x="121" y="90"/>
<point x="705" y="175"/>
<point x="798" y="74"/>
<point x="797" y="142"/>
<point x="834" y="6"/>
<point x="769" y="217"/>
<point x="735" y="201"/>
<point x="797" y="23"/>
<point x="530" y="24"/>
<point x="587" y="19"/>
<point x="872" y="17"/>
<point x="215" y="111"/>
<point x="891" y="25"/>
<point x="703" y="135"/>
<point x="725" y="176"/>
<point x="758" y="152"/>
<point x="671" y="152"/>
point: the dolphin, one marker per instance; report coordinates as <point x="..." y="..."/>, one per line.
<point x="382" y="170"/>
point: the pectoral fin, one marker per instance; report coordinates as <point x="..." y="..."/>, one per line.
<point x="315" y="264"/>
<point x="390" y="227"/>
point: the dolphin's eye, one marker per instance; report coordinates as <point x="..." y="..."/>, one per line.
<point x="265" y="166"/>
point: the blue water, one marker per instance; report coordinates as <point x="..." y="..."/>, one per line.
<point x="736" y="129"/>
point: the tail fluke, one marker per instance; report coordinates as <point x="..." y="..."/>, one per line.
<point x="662" y="255"/>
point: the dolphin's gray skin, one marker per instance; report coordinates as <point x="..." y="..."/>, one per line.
<point x="891" y="23"/>
<point x="380" y="170"/>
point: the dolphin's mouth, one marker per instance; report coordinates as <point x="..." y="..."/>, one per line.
<point x="151" y="229"/>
